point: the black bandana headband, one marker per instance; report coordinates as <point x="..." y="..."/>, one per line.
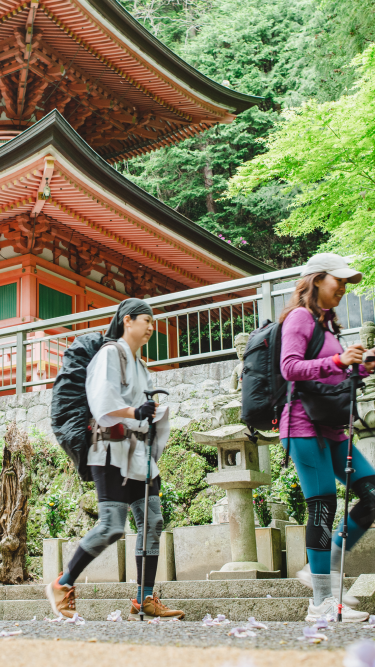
<point x="128" y="307"/>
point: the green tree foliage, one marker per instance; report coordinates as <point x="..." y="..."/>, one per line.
<point x="327" y="151"/>
<point x="287" y="51"/>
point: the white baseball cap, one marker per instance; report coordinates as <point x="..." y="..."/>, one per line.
<point x="335" y="265"/>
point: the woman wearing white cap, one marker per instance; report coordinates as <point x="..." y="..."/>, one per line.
<point x="317" y="293"/>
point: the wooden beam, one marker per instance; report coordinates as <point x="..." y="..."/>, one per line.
<point x="49" y="164"/>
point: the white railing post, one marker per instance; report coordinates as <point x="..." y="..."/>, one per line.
<point x="21" y="363"/>
<point x="268" y="306"/>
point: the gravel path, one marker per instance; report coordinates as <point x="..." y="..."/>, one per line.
<point x="278" y="636"/>
<point x="44" y="653"/>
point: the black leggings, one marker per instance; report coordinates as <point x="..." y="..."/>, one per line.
<point x="109" y="486"/>
<point x="108" y="481"/>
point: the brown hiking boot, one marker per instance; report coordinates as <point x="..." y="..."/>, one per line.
<point x="61" y="598"/>
<point x="153" y="608"/>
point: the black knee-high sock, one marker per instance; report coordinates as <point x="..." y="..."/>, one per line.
<point x="77" y="564"/>
<point x="150" y="574"/>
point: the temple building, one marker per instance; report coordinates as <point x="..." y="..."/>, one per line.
<point x="82" y="86"/>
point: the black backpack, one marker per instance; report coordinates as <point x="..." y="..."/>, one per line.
<point x="70" y="412"/>
<point x="264" y="390"/>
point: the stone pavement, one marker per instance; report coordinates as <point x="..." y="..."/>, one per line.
<point x="278" y="636"/>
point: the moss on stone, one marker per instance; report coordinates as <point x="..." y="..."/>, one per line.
<point x="185" y="464"/>
<point x="200" y="510"/>
<point x="186" y="470"/>
<point x="184" y="438"/>
<point x="89" y="503"/>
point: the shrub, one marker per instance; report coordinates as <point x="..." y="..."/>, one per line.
<point x="57" y="508"/>
<point x="200" y="510"/>
<point x="289" y="489"/>
<point x="260" y="497"/>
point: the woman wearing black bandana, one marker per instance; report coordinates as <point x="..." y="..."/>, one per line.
<point x="116" y="380"/>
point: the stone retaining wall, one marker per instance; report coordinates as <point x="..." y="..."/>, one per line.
<point x="191" y="391"/>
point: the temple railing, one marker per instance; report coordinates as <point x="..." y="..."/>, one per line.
<point x="190" y="326"/>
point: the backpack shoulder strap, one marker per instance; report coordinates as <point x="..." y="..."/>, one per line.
<point x="142" y="361"/>
<point x="317" y="340"/>
<point x="122" y="357"/>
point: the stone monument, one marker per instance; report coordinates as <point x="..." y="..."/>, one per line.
<point x="239" y="474"/>
<point x="366" y="401"/>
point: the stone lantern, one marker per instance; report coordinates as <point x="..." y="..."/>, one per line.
<point x="239" y="474"/>
<point x="366" y="401"/>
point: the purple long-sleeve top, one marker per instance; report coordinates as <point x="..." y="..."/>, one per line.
<point x="296" y="334"/>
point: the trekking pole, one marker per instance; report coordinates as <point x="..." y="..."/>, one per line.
<point x="150" y="438"/>
<point x="348" y="471"/>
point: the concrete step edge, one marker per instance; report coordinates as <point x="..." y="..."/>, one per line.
<point x="173" y="589"/>
<point x="239" y="609"/>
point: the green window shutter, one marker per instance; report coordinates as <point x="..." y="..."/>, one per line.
<point x="53" y="303"/>
<point x="8" y="301"/>
<point x="152" y="352"/>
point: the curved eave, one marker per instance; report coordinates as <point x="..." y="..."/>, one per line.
<point x="55" y="130"/>
<point x="152" y="48"/>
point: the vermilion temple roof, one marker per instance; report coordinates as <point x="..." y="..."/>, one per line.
<point x="90" y="199"/>
<point x="117" y="85"/>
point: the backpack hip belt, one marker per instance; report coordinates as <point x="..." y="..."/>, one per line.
<point x="115" y="433"/>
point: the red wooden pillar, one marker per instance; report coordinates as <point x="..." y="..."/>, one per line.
<point x="81" y="304"/>
<point x="28" y="310"/>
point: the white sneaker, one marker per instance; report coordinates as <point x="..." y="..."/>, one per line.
<point x="329" y="608"/>
<point x="304" y="576"/>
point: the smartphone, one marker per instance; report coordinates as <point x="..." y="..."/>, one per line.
<point x="370" y="358"/>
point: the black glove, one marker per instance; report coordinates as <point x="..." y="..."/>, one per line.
<point x="144" y="411"/>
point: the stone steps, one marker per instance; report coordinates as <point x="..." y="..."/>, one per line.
<point x="237" y="599"/>
<point x="276" y="609"/>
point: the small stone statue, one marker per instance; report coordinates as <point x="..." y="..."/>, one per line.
<point x="366" y="398"/>
<point x="233" y="397"/>
<point x="367" y="336"/>
<point x="240" y="345"/>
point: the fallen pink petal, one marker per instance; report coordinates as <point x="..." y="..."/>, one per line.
<point x="252" y="623"/>
<point x="115" y="616"/>
<point x="241" y="633"/>
<point x="312" y="636"/>
<point x="76" y="620"/>
<point x="4" y="633"/>
<point x="360" y="654"/>
<point x="207" y="620"/>
<point x="154" y="621"/>
<point x="59" y="618"/>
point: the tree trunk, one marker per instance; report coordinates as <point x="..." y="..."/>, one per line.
<point x="15" y="489"/>
<point x="208" y="183"/>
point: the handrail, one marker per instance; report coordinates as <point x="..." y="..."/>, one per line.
<point x="203" y="331"/>
<point x="156" y="301"/>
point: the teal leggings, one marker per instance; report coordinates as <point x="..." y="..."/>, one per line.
<point x="317" y="469"/>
